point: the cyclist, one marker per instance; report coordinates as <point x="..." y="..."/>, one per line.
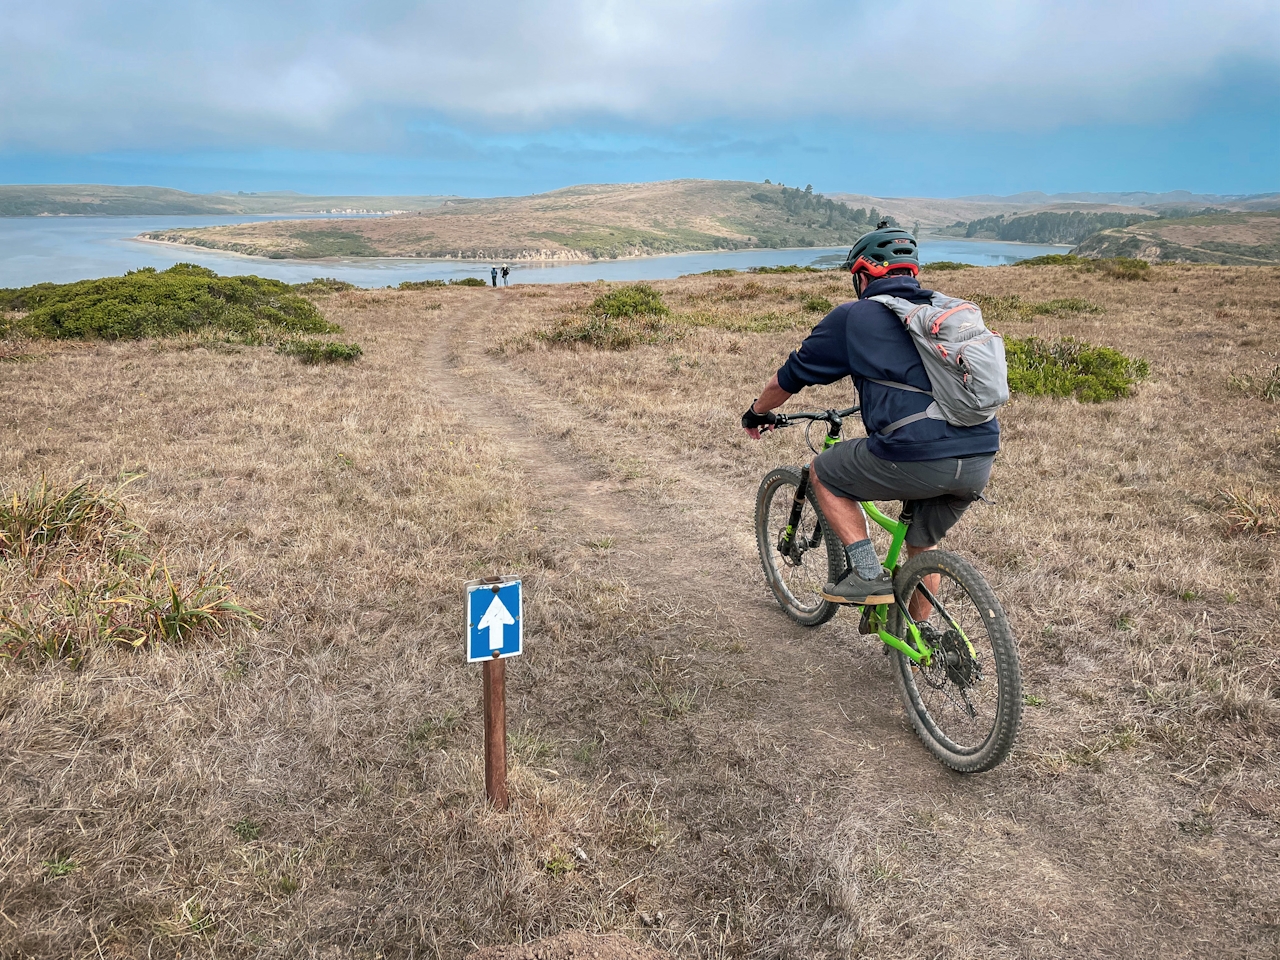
<point x="940" y="468"/>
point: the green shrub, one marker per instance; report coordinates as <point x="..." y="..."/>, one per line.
<point x="468" y="282"/>
<point x="617" y="320"/>
<point x="322" y="286"/>
<point x="1065" y="305"/>
<point x="786" y="268"/>
<point x="312" y="351"/>
<point x="1121" y="268"/>
<point x="425" y="284"/>
<point x="1070" y="367"/>
<point x="1124" y="268"/>
<point x="770" y="321"/>
<point x="1052" y="260"/>
<point x="816" y="304"/>
<point x="608" y="333"/>
<point x="946" y="265"/>
<point x="145" y="303"/>
<point x="722" y="272"/>
<point x="633" y="300"/>
<point x="996" y="309"/>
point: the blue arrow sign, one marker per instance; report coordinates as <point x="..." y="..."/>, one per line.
<point x="495" y="626"/>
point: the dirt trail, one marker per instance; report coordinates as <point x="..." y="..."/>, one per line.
<point x="857" y="812"/>
<point x="695" y="544"/>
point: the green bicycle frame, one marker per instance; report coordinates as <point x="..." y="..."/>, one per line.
<point x="918" y="650"/>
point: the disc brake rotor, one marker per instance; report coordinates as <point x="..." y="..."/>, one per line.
<point x="962" y="669"/>
<point x="792" y="551"/>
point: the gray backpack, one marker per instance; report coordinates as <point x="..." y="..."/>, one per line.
<point x="964" y="360"/>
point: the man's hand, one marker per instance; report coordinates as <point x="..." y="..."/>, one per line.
<point x="752" y="422"/>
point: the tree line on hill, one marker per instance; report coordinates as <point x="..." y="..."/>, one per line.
<point x="1044" y="227"/>
<point x="1052" y="227"/>
<point x="819" y="211"/>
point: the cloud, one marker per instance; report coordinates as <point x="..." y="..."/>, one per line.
<point x="82" y="76"/>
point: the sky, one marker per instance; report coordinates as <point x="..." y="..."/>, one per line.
<point x="913" y="98"/>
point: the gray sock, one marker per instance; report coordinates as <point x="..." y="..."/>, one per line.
<point x="862" y="557"/>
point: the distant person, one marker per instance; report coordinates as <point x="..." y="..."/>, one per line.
<point x="493" y="276"/>
<point x="911" y="452"/>
<point x="505" y="274"/>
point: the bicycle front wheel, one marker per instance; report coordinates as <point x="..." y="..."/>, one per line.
<point x="966" y="706"/>
<point x="799" y="562"/>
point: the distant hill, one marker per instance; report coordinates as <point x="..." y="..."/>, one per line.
<point x="578" y="223"/>
<point x="108" y="201"/>
<point x="1047" y="226"/>
<point x="1173" y="198"/>
<point x="1242" y="238"/>
<point x="1232" y="238"/>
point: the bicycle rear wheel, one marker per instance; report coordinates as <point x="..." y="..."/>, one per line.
<point x="966" y="706"/>
<point x="799" y="565"/>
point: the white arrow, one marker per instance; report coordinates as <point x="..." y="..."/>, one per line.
<point x="494" y="619"/>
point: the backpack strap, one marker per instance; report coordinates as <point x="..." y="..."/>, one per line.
<point x="931" y="412"/>
<point x="899" y="386"/>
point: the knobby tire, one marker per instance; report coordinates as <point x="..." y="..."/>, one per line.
<point x="938" y="700"/>
<point x="797" y="588"/>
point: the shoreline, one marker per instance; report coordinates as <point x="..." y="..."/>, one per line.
<point x="540" y="261"/>
<point x="543" y="262"/>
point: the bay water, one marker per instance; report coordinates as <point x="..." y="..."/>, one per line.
<point x="62" y="249"/>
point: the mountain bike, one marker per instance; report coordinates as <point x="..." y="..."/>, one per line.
<point x="956" y="662"/>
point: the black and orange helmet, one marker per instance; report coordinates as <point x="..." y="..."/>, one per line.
<point x="882" y="250"/>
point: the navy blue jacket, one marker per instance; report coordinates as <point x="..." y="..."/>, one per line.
<point x="864" y="340"/>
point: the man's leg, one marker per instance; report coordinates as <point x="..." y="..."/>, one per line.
<point x="920" y="608"/>
<point x="844" y="515"/>
<point x="866" y="580"/>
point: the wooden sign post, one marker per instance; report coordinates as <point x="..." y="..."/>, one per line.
<point x="494" y="632"/>
<point x="495" y="733"/>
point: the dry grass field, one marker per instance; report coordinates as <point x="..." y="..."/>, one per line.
<point x="690" y="770"/>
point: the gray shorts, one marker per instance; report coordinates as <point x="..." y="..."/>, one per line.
<point x="940" y="491"/>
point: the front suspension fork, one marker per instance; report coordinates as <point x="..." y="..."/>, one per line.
<point x="793" y="520"/>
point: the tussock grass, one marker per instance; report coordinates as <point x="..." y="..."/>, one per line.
<point x="1250" y="512"/>
<point x="1115" y="268"/>
<point x="1122" y="268"/>
<point x="1068" y="367"/>
<point x="1013" y="308"/>
<point x="76" y="574"/>
<point x="816" y="304"/>
<point x="786" y="268"/>
<point x="1052" y="260"/>
<point x="323" y="287"/>
<point x="312" y="351"/>
<point x="1118" y="268"/>
<point x="1263" y="386"/>
<point x="616" y="320"/>
<point x="422" y="284"/>
<point x="607" y="333"/>
<point x="942" y="266"/>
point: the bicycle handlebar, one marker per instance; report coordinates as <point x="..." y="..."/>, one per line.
<point x="829" y="416"/>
